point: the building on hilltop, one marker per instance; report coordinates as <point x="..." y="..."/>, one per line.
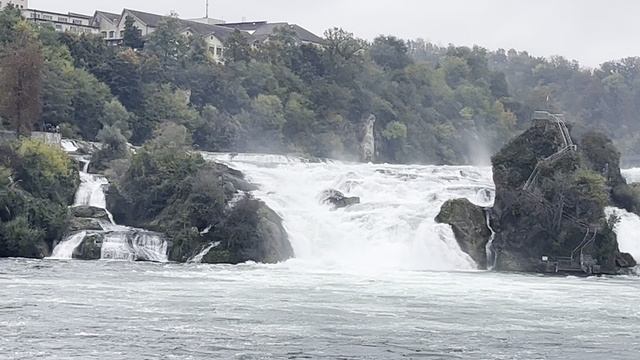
<point x="69" y="22"/>
<point x="20" y="4"/>
<point x="111" y="26"/>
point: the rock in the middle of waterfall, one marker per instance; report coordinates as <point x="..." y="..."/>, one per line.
<point x="338" y="199"/>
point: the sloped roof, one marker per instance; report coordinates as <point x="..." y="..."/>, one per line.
<point x="114" y="18"/>
<point x="263" y="32"/>
<point x="245" y="26"/>
<point x="153" y="20"/>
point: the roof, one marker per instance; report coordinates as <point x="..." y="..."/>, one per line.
<point x="263" y="32"/>
<point x="80" y="15"/>
<point x="114" y="18"/>
<point x="246" y="26"/>
<point x="260" y="30"/>
<point x="153" y="20"/>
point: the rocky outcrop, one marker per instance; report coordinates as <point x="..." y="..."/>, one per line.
<point x="89" y="212"/>
<point x="90" y="248"/>
<point x="549" y="206"/>
<point x="84" y="224"/>
<point x="368" y="143"/>
<point x="87" y="218"/>
<point x="337" y="199"/>
<point x="266" y="238"/>
<point x="468" y="222"/>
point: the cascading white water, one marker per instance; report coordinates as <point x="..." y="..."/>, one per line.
<point x="392" y="228"/>
<point x="120" y="242"/>
<point x="627" y="231"/>
<point x="491" y="254"/>
<point x="198" y="258"/>
<point x="64" y="250"/>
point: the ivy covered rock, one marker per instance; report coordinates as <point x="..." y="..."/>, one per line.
<point x="549" y="214"/>
<point x="167" y="188"/>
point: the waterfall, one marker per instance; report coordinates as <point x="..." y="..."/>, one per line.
<point x="198" y="258"/>
<point x="392" y="228"/>
<point x="64" y="250"/>
<point x="491" y="254"/>
<point x="627" y="231"/>
<point x="119" y="242"/>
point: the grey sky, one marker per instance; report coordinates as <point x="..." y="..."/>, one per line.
<point x="591" y="31"/>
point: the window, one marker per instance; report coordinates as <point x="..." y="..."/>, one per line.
<point x="58" y="27"/>
<point x="104" y="34"/>
<point x="47" y="17"/>
<point x="219" y="51"/>
<point x="112" y="34"/>
<point x="63" y="19"/>
<point x="77" y="22"/>
<point x="121" y="33"/>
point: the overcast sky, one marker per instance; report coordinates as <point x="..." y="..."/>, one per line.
<point x="591" y="31"/>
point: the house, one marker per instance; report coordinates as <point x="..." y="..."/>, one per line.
<point x="69" y="22"/>
<point x="112" y="28"/>
<point x="260" y="31"/>
<point x="20" y="4"/>
<point x="107" y="23"/>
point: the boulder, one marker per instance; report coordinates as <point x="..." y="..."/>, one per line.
<point x="338" y="199"/>
<point x="469" y="225"/>
<point x="253" y="232"/>
<point x="84" y="224"/>
<point x="625" y="260"/>
<point x="89" y="212"/>
<point x="90" y="248"/>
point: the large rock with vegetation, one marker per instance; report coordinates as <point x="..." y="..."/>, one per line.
<point x="550" y="200"/>
<point x="37" y="183"/>
<point x="468" y="222"/>
<point x="166" y="188"/>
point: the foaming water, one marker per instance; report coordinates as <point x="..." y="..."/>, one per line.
<point x="627" y="231"/>
<point x="392" y="228"/>
<point x="119" y="310"/>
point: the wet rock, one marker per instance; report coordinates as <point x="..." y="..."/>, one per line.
<point x="90" y="248"/>
<point x="469" y="225"/>
<point x="338" y="199"/>
<point x="89" y="212"/>
<point x="84" y="224"/>
<point x="625" y="260"/>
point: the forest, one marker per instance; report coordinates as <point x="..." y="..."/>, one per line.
<point x="433" y="104"/>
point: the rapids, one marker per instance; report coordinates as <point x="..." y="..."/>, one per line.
<point x="392" y="228"/>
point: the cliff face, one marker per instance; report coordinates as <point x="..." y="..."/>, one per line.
<point x="548" y="214"/>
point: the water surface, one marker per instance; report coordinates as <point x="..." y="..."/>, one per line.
<point x="118" y="310"/>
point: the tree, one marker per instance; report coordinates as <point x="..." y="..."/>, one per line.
<point x="390" y="52"/>
<point x="237" y="47"/>
<point x="21" y="80"/>
<point x="132" y="36"/>
<point x="168" y="44"/>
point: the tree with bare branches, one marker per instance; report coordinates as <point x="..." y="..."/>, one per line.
<point x="21" y="80"/>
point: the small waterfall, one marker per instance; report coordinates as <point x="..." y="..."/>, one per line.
<point x="119" y="242"/>
<point x="64" y="250"/>
<point x="492" y="256"/>
<point x="627" y="231"/>
<point x="198" y="258"/>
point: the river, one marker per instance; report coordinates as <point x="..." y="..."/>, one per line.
<point x="118" y="310"/>
<point x="377" y="280"/>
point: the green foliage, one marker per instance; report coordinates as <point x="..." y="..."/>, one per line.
<point x="37" y="182"/>
<point x="132" y="36"/>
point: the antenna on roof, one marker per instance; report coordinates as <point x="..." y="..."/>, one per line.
<point x="207" y="14"/>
